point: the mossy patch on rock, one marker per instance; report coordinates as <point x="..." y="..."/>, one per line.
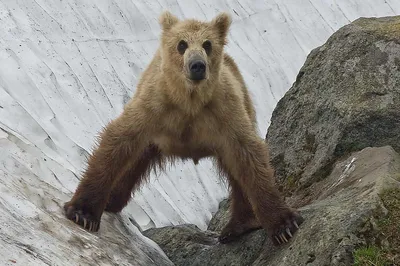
<point x="369" y="256"/>
<point x="387" y="251"/>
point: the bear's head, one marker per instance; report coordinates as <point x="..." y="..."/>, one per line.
<point x="192" y="50"/>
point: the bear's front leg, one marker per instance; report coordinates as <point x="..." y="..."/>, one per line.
<point x="123" y="186"/>
<point x="120" y="146"/>
<point x="246" y="159"/>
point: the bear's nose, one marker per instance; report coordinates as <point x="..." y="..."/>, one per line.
<point x="197" y="70"/>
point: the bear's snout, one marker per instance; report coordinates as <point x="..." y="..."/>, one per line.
<point x="197" y="69"/>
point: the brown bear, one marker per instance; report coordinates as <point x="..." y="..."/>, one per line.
<point x="191" y="102"/>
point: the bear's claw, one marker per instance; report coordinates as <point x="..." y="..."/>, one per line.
<point x="86" y="220"/>
<point x="286" y="230"/>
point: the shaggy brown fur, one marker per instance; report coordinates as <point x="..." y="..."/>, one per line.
<point x="174" y="115"/>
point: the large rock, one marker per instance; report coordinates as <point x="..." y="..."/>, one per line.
<point x="346" y="97"/>
<point x="343" y="213"/>
<point x="341" y="217"/>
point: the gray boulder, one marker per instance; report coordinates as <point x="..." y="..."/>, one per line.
<point x="346" y="204"/>
<point x="188" y="245"/>
<point x="346" y="97"/>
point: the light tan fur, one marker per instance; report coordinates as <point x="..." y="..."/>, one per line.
<point x="172" y="116"/>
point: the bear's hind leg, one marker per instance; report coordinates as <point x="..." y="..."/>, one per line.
<point x="242" y="218"/>
<point x="123" y="186"/>
<point x="246" y="158"/>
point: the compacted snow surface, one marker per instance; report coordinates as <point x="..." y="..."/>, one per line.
<point x="67" y="67"/>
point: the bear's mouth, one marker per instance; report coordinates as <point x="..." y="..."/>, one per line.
<point x="197" y="78"/>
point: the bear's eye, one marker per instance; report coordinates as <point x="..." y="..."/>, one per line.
<point x="182" y="46"/>
<point x="207" y="47"/>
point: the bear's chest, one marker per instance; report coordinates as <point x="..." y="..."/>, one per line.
<point x="183" y="148"/>
<point x="186" y="134"/>
<point x="178" y="139"/>
<point x="187" y="137"/>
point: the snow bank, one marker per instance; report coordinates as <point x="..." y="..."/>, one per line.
<point x="67" y="67"/>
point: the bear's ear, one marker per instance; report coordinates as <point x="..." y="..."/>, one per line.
<point x="167" y="20"/>
<point x="222" y="23"/>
